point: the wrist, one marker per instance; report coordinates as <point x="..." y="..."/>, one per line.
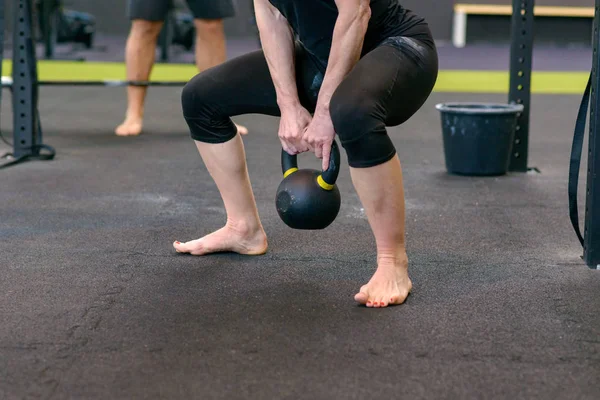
<point x="322" y="110"/>
<point x="288" y="105"/>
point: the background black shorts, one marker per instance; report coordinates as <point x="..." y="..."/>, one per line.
<point x="156" y="10"/>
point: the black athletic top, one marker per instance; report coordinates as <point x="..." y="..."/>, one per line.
<point x="313" y="22"/>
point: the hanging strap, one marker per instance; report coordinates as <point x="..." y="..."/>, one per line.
<point x="576" y="159"/>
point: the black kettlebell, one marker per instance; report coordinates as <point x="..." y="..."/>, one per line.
<point x="307" y="198"/>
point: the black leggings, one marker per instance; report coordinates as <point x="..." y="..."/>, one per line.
<point x="385" y="88"/>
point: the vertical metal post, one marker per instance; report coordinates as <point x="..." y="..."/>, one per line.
<point x="521" y="54"/>
<point x="166" y="37"/>
<point x="26" y="132"/>
<point x="591" y="236"/>
<point x="49" y="13"/>
<point x="255" y="24"/>
<point x="1" y="43"/>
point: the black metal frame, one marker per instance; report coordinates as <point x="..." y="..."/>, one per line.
<point x="591" y="236"/>
<point x="2" y="11"/>
<point x="50" y="11"/>
<point x="7" y="83"/>
<point x="166" y="38"/>
<point x="49" y="20"/>
<point x="27" y="136"/>
<point x="27" y="132"/>
<point x="521" y="59"/>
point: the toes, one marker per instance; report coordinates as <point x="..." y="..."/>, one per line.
<point x="399" y="298"/>
<point x="198" y="247"/>
<point x="178" y="247"/>
<point x="372" y="302"/>
<point x="188" y="247"/>
<point x="362" y="297"/>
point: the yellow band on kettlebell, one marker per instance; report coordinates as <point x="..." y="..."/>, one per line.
<point x="289" y="172"/>
<point x="324" y="184"/>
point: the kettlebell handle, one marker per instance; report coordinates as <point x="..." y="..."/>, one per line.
<point x="327" y="179"/>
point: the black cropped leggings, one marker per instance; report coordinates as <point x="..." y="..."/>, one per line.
<point x="385" y="88"/>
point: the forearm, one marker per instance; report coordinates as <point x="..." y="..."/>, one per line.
<point x="277" y="42"/>
<point x="346" y="48"/>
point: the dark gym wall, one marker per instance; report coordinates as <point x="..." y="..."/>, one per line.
<point x="110" y="15"/>
<point x="111" y="19"/>
<point x="557" y="31"/>
<point x="566" y="3"/>
<point x="439" y="14"/>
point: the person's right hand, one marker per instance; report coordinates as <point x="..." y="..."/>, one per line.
<point x="292" y="124"/>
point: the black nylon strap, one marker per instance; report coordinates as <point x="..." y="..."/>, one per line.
<point x="2" y="25"/>
<point x="575" y="164"/>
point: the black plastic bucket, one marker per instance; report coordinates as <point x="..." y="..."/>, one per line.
<point x="478" y="137"/>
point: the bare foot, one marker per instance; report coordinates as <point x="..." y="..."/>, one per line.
<point x="242" y="130"/>
<point x="389" y="285"/>
<point x="132" y="126"/>
<point x="228" y="238"/>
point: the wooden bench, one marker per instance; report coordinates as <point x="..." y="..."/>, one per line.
<point x="459" y="25"/>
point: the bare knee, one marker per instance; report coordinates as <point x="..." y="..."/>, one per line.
<point x="206" y="29"/>
<point x="145" y="30"/>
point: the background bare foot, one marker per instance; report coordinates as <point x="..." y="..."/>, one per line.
<point x="130" y="127"/>
<point x="242" y="130"/>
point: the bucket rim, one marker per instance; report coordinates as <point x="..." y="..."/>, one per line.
<point x="463" y="107"/>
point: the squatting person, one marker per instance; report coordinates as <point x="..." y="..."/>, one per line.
<point x="147" y="18"/>
<point x="350" y="67"/>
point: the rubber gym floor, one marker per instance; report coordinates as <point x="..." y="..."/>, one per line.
<point x="95" y="303"/>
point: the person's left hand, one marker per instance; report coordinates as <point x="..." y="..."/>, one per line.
<point x="319" y="135"/>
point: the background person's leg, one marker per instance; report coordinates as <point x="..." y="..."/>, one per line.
<point x="140" y="52"/>
<point x="385" y="88"/>
<point x="211" y="46"/>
